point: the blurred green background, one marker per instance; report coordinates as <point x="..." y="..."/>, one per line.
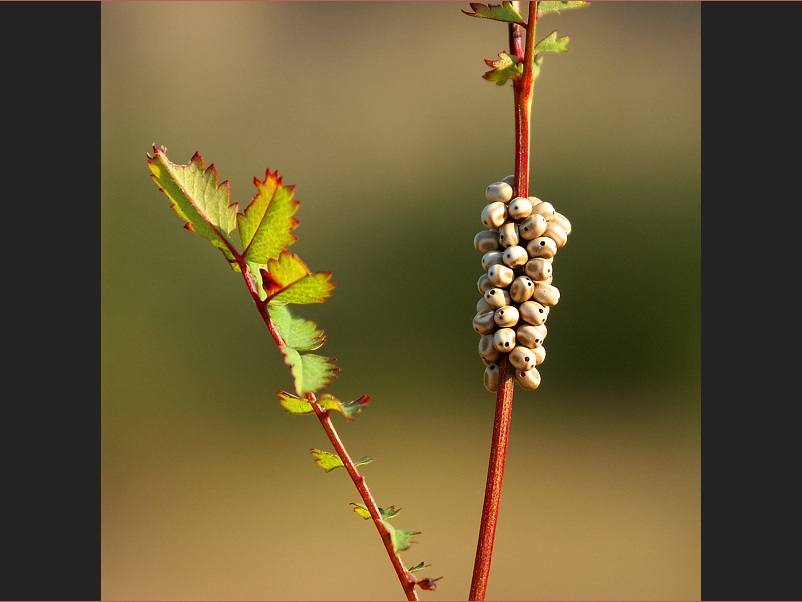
<point x="377" y="113"/>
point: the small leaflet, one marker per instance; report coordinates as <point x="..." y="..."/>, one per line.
<point x="425" y="584"/>
<point x="350" y="409"/>
<point x="505" y="68"/>
<point x="310" y="372"/>
<point x="297" y="405"/>
<point x="293" y="404"/>
<point x="551" y="44"/>
<point x="418" y="567"/>
<point x="286" y="279"/>
<point x="402" y="540"/>
<point x="326" y="460"/>
<point x="555" y="7"/>
<point x="387" y="514"/>
<point x="298" y="333"/>
<point x="329" y="461"/>
<point x="361" y="510"/>
<point x="498" y="12"/>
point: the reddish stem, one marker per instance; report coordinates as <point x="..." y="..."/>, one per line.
<point x="523" y="91"/>
<point x="521" y="115"/>
<point x="406" y="579"/>
<point x="495" y="476"/>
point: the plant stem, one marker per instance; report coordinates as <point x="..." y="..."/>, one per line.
<point x="523" y="92"/>
<point x="359" y="481"/>
<point x="407" y="581"/>
<point x="495" y="475"/>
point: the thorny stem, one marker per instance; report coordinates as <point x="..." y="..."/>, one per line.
<point x="523" y="91"/>
<point x="406" y="579"/>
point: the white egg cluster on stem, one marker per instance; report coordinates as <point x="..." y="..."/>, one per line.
<point x="518" y="246"/>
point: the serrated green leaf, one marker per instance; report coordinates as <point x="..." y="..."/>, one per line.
<point x="312" y="288"/>
<point x="331" y="461"/>
<point x="299" y="334"/>
<point x="551" y="44"/>
<point x="310" y="372"/>
<point x="555" y="7"/>
<point x="498" y="12"/>
<point x="401" y="539"/>
<point x="265" y="226"/>
<point x="286" y="279"/>
<point x="505" y="68"/>
<point x="197" y="198"/>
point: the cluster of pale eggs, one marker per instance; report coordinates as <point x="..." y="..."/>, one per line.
<point x="522" y="237"/>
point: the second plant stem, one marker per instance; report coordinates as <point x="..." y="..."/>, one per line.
<point x="407" y="583"/>
<point x="523" y="93"/>
<point x="367" y="497"/>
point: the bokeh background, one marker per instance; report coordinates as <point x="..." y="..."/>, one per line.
<point x="377" y="113"/>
